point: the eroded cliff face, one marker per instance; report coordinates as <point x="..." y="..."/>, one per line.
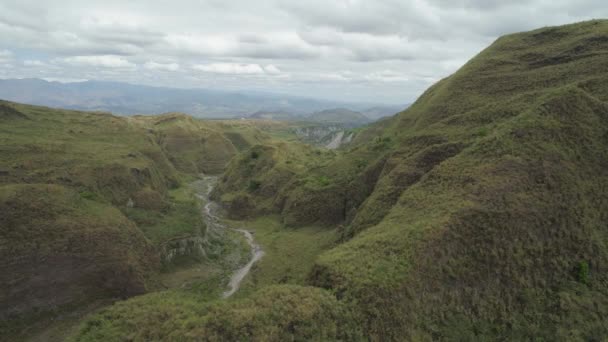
<point x="188" y="247"/>
<point x="328" y="136"/>
<point x="339" y="139"/>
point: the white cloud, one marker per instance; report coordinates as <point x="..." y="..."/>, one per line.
<point x="232" y="68"/>
<point x="391" y="48"/>
<point x="64" y="80"/>
<point x="33" y="63"/>
<point x="151" y="65"/>
<point x="272" y="70"/>
<point x="106" y="61"/>
<point x="275" y="45"/>
<point x="387" y="76"/>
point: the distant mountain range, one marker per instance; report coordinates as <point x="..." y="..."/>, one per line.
<point x="129" y="99"/>
<point x="332" y="115"/>
<point x="274" y="115"/>
<point x="340" y="116"/>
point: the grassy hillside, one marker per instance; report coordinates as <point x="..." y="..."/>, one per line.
<point x="259" y="181"/>
<point x="60" y="250"/>
<point x="194" y="146"/>
<point x="278" y="313"/>
<point x="90" y="202"/>
<point x="479" y="212"/>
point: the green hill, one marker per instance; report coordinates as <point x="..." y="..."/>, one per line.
<point x="341" y="116"/>
<point x="88" y="201"/>
<point x="479" y="212"/>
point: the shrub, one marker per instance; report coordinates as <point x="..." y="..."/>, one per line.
<point x="90" y="195"/>
<point x="324" y="180"/>
<point x="253" y="185"/>
<point x="583" y="272"/>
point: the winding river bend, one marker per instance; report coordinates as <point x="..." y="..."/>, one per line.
<point x="211" y="213"/>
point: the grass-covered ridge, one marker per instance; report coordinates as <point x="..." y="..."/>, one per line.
<point x="479" y="212"/>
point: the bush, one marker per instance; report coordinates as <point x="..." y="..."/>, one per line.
<point x="253" y="185"/>
<point x="90" y="195"/>
<point x="324" y="180"/>
<point x="583" y="272"/>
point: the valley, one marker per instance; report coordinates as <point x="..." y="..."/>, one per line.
<point x="149" y="174"/>
<point x="98" y="184"/>
<point x="478" y="213"/>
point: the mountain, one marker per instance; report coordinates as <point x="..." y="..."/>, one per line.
<point x="330" y="128"/>
<point x="379" y="112"/>
<point x="479" y="213"/>
<point x="274" y="115"/>
<point x="335" y="115"/>
<point x="128" y="99"/>
<point x="340" y="116"/>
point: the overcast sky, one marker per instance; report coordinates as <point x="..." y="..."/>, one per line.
<point x="380" y="51"/>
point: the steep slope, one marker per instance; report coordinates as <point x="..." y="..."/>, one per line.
<point x="61" y="250"/>
<point x="90" y="202"/>
<point x="479" y="212"/>
<point x="488" y="219"/>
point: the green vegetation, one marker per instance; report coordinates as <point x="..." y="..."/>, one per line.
<point x="289" y="253"/>
<point x="280" y="313"/>
<point x="50" y="235"/>
<point x="179" y="218"/>
<point x="253" y="185"/>
<point x="262" y="311"/>
<point x="195" y="146"/>
<point x="477" y="214"/>
<point x="583" y="272"/>
<point x="275" y="166"/>
<point x="466" y="214"/>
<point x="91" y="204"/>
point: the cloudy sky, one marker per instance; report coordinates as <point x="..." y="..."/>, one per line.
<point x="369" y="50"/>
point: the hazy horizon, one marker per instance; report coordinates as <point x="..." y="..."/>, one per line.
<point x="380" y="52"/>
<point x="277" y="92"/>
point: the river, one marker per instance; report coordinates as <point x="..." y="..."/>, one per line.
<point x="213" y="219"/>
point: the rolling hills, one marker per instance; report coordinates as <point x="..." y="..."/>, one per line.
<point x="479" y="213"/>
